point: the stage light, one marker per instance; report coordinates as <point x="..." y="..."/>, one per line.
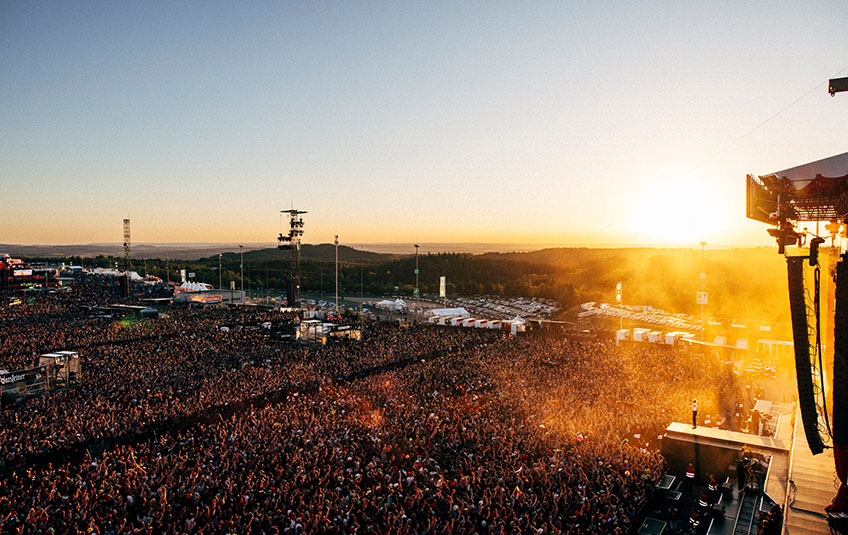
<point x="292" y="243"/>
<point x="837" y="85"/>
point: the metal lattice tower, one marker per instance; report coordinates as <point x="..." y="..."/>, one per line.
<point x="292" y="243"/>
<point x="127" y="246"/>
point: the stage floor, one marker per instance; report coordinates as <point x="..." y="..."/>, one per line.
<point x="812" y="479"/>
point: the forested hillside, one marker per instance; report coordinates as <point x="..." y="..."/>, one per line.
<point x="742" y="283"/>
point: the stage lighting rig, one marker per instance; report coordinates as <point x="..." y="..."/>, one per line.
<point x="837" y="85"/>
<point x="816" y="191"/>
<point x="291" y="242"/>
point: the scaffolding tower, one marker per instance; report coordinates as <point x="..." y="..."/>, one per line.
<point x="291" y="241"/>
<point x="127" y="250"/>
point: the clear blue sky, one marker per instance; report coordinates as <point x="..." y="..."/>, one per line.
<point x="561" y="122"/>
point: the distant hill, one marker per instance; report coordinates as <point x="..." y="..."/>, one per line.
<point x="325" y="252"/>
<point x="187" y="251"/>
<point x="253" y="252"/>
<point x="742" y="283"/>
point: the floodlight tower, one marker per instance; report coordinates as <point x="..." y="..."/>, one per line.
<point x="292" y="243"/>
<point x="127" y="252"/>
<point x="702" y="298"/>
<point x="415" y="292"/>
<point x="336" y="243"/>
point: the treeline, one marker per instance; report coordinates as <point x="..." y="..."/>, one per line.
<point x="742" y="283"/>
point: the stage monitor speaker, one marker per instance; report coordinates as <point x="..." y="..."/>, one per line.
<point x="840" y="356"/>
<point x="801" y="337"/>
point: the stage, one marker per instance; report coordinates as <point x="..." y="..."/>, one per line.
<point x="790" y="472"/>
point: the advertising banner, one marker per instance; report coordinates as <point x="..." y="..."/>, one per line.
<point x="23" y="382"/>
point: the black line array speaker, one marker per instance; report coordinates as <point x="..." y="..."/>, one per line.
<point x="124" y="285"/>
<point x="289" y="292"/>
<point x="840" y="356"/>
<point x="803" y="370"/>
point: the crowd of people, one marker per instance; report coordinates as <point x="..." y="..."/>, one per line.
<point x="182" y="366"/>
<point x="413" y="430"/>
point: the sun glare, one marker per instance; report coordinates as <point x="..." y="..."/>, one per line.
<point x="678" y="211"/>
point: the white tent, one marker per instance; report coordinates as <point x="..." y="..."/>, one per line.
<point x="190" y="286"/>
<point x="397" y="304"/>
<point x="112" y="273"/>
<point x="451" y="312"/>
<point x="518" y="319"/>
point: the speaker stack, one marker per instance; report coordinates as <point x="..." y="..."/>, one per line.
<point x="801" y="337"/>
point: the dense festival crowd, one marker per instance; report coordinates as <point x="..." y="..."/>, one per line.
<point x="469" y="432"/>
<point x="184" y="365"/>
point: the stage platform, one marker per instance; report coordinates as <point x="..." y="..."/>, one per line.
<point x="809" y="482"/>
<point x="714" y="451"/>
<point x="712" y="435"/>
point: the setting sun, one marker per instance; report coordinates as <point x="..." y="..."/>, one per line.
<point x="675" y="210"/>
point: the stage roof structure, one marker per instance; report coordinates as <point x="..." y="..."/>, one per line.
<point x="815" y="191"/>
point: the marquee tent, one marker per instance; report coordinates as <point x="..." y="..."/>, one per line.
<point x="451" y="312"/>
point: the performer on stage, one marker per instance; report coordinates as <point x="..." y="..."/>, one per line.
<point x="694" y="414"/>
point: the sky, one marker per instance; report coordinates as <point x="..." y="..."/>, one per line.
<point x="549" y="123"/>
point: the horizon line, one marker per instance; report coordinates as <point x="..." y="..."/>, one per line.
<point x="501" y="245"/>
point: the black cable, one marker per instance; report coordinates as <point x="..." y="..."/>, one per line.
<point x="816" y="304"/>
<point x="762" y="123"/>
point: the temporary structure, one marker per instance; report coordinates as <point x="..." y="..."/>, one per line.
<point x="451" y="312"/>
